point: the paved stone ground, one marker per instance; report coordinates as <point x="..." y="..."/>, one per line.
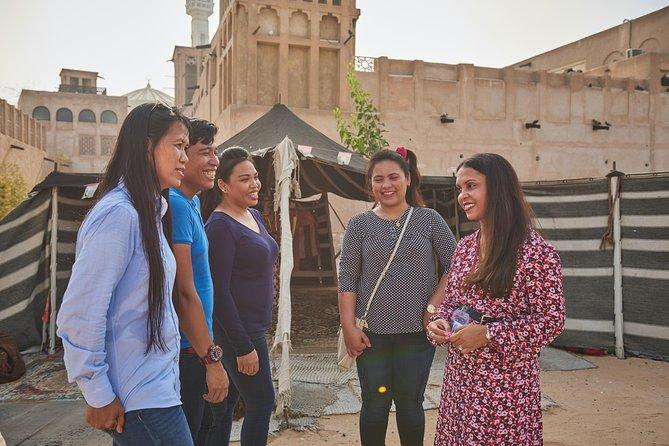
<point x="48" y="423"/>
<point x="319" y="388"/>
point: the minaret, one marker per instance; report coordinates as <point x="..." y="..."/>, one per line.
<point x="199" y="10"/>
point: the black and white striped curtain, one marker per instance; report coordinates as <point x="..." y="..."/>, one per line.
<point x="24" y="272"/>
<point x="644" y="208"/>
<point x="25" y="237"/>
<point x="573" y="217"/>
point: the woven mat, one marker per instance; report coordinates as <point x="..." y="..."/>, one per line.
<point x="45" y="379"/>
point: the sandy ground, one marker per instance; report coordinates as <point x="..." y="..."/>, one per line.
<point x="622" y="403"/>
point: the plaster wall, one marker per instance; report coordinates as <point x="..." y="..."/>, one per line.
<point x="21" y="143"/>
<point x="65" y="140"/>
<point x="648" y="33"/>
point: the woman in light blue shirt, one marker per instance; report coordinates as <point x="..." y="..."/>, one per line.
<point x="117" y="321"/>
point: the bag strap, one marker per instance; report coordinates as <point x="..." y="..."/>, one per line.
<point x="385" y="270"/>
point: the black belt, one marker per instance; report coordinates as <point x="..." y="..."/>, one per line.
<point x="478" y="317"/>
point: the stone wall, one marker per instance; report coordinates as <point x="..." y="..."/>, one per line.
<point x="84" y="146"/>
<point x="297" y="52"/>
<point x="490" y="108"/>
<point x="22" y="141"/>
<point x="288" y="51"/>
<point x="647" y="33"/>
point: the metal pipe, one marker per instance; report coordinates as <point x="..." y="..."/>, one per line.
<point x="617" y="268"/>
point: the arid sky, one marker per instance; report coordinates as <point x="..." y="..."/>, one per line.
<point x="131" y="41"/>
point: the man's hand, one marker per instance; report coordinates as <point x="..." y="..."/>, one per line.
<point x="111" y="416"/>
<point x="356" y="340"/>
<point x="248" y="364"/>
<point x="469" y="338"/>
<point x="439" y="331"/>
<point x="217" y="383"/>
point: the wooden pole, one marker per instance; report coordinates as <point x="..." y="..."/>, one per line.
<point x="53" y="288"/>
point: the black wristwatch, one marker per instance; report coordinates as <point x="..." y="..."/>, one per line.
<point x="214" y="354"/>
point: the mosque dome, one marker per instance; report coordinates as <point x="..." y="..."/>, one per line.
<point x="148" y="94"/>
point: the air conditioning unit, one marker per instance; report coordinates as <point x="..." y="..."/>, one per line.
<point x="631" y="52"/>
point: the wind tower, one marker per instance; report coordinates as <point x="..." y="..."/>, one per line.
<point x="199" y="10"/>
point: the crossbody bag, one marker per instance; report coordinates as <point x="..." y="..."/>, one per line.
<point x="343" y="358"/>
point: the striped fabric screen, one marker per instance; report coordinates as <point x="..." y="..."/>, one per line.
<point x="573" y="217"/>
<point x="25" y="236"/>
<point x="71" y="212"/>
<point x="24" y="273"/>
<point x="644" y="209"/>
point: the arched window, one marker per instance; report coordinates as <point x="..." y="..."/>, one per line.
<point x="330" y="29"/>
<point x="64" y="115"/>
<point x="86" y="116"/>
<point x="108" y="117"/>
<point x="42" y="113"/>
<point x="299" y="24"/>
<point x="268" y="19"/>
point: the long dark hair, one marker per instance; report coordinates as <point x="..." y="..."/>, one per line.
<point x="508" y="222"/>
<point x="132" y="162"/>
<point x="229" y="158"/>
<point x="408" y="166"/>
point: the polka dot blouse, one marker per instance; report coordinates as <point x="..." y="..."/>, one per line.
<point x="412" y="277"/>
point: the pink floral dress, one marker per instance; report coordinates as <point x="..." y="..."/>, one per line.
<point x="491" y="396"/>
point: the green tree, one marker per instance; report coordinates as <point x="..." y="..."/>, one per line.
<point x="363" y="131"/>
<point x="13" y="188"/>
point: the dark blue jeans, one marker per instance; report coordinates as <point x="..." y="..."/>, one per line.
<point x="193" y="377"/>
<point x="395" y="368"/>
<point x="256" y="391"/>
<point x="154" y="427"/>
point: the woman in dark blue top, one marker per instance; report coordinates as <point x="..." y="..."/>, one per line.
<point x="242" y="255"/>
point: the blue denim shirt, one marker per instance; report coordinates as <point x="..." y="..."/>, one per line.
<point x="103" y="318"/>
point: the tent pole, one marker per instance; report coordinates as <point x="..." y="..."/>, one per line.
<point x="285" y="163"/>
<point x="53" y="289"/>
<point x="617" y="268"/>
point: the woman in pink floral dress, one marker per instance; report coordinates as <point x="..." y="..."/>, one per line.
<point x="507" y="279"/>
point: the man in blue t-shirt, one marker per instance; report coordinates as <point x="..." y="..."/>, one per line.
<point x="203" y="378"/>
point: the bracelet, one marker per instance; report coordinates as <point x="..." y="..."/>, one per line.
<point x="487" y="333"/>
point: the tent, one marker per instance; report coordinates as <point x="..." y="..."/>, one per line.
<point x="35" y="261"/>
<point x="295" y="160"/>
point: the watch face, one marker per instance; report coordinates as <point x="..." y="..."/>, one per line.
<point x="215" y="353"/>
<point x="431" y="309"/>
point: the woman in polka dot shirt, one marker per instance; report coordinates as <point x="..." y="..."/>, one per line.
<point x="509" y="280"/>
<point x="393" y="354"/>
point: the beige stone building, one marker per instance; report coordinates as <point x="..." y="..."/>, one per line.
<point x="568" y="113"/>
<point x="81" y="120"/>
<point x="22" y="141"/>
<point x="647" y="34"/>
<point x="296" y="52"/>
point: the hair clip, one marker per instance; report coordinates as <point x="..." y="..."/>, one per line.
<point x="402" y="151"/>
